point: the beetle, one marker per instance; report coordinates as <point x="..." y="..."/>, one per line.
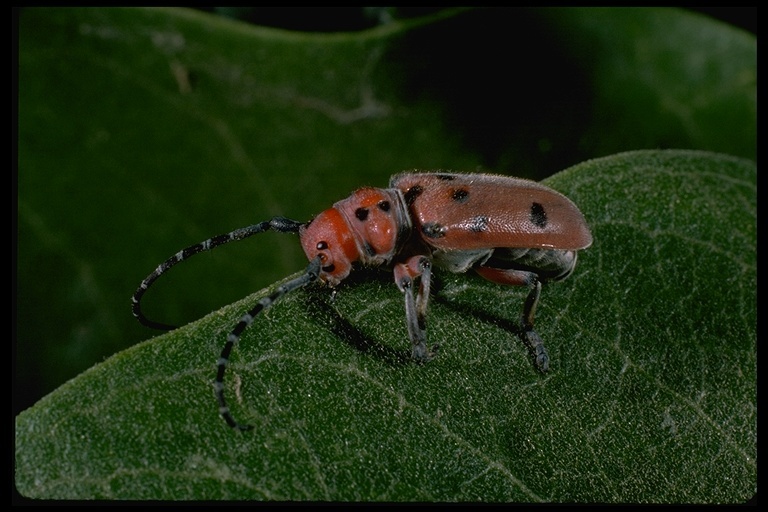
<point x="511" y="231"/>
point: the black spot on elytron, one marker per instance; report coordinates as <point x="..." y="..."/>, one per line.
<point x="329" y="268"/>
<point x="384" y="206"/>
<point x="478" y="224"/>
<point x="321" y="246"/>
<point x="412" y="193"/>
<point x="433" y="230"/>
<point x="445" y="177"/>
<point x="369" y="249"/>
<point x="460" y="195"/>
<point x="361" y="213"/>
<point x="538" y="215"/>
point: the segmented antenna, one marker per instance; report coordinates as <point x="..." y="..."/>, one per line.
<point x="279" y="224"/>
<point x="310" y="275"/>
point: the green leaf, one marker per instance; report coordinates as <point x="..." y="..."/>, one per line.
<point x="659" y="79"/>
<point x="651" y="395"/>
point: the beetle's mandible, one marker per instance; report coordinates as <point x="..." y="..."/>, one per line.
<point x="510" y="231"/>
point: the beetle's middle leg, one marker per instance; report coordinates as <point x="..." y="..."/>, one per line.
<point x="531" y="280"/>
<point x="406" y="273"/>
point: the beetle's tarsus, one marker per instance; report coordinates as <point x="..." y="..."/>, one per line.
<point x="422" y="355"/>
<point x="537" y="348"/>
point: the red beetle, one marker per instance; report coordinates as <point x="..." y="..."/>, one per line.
<point x="510" y="231"/>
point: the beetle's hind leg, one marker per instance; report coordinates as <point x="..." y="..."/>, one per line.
<point x="406" y="273"/>
<point x="530" y="337"/>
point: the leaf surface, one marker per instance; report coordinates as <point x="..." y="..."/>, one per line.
<point x="651" y="394"/>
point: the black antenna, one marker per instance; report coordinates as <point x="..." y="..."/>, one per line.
<point x="279" y="224"/>
<point x="310" y="275"/>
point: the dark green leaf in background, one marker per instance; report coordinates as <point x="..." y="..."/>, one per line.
<point x="142" y="131"/>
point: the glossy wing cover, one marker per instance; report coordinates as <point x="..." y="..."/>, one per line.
<point x="475" y="211"/>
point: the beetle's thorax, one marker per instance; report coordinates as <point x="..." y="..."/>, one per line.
<point x="379" y="222"/>
<point x="369" y="226"/>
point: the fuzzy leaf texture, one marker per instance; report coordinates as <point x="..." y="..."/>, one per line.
<point x="142" y="131"/>
<point x="651" y="396"/>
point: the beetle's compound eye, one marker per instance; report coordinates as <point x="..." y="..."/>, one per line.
<point x="323" y="246"/>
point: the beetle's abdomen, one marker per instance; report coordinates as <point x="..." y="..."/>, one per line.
<point x="548" y="264"/>
<point x="460" y="261"/>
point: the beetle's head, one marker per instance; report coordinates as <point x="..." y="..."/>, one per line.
<point x="329" y="237"/>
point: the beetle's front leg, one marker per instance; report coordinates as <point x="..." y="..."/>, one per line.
<point x="416" y="267"/>
<point x="513" y="277"/>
